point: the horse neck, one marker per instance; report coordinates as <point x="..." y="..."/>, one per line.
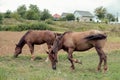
<point x="21" y="43"/>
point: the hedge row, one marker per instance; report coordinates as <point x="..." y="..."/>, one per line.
<point x="22" y="27"/>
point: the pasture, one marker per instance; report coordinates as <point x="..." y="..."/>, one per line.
<point x="22" y="68"/>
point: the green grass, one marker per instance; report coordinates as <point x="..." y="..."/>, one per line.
<point x="22" y="68"/>
<point x="113" y="39"/>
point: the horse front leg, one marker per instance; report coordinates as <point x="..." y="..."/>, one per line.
<point x="31" y="47"/>
<point x="102" y="57"/>
<point x="70" y="58"/>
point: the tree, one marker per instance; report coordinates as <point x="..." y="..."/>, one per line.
<point x="45" y="15"/>
<point x="1" y="18"/>
<point x="33" y="13"/>
<point x="7" y="14"/>
<point x="100" y="12"/>
<point x="16" y="16"/>
<point x="70" y="17"/>
<point x="110" y="17"/>
<point x="21" y="10"/>
<point x="34" y="8"/>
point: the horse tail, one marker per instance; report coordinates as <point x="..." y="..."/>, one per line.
<point x="96" y="37"/>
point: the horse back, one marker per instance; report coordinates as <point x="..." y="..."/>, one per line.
<point x="38" y="37"/>
<point x="82" y="40"/>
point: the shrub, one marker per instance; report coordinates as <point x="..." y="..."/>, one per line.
<point x="1" y="18"/>
<point x="49" y="21"/>
<point x="22" y="27"/>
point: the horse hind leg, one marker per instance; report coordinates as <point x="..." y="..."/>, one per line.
<point x="49" y="48"/>
<point x="70" y="58"/>
<point x="102" y="57"/>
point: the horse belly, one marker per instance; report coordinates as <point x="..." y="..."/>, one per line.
<point x="83" y="47"/>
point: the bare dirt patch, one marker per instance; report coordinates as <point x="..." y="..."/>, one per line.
<point x="8" y="40"/>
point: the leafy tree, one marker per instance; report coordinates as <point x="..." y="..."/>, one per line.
<point x="33" y="13"/>
<point x="45" y="15"/>
<point x="70" y="17"/>
<point x="100" y="12"/>
<point x="1" y="18"/>
<point x="7" y="14"/>
<point x="110" y="17"/>
<point x="34" y="8"/>
<point x="16" y="16"/>
<point x="21" y="10"/>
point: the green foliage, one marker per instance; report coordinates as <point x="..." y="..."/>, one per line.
<point x="7" y="14"/>
<point x="22" y="27"/>
<point x="49" y="21"/>
<point x="110" y="17"/>
<point x="45" y="15"/>
<point x="33" y="13"/>
<point x="21" y="10"/>
<point x="63" y="19"/>
<point x="1" y="18"/>
<point x="16" y="16"/>
<point x="100" y="12"/>
<point x="70" y="17"/>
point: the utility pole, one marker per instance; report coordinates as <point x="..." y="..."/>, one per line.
<point x="117" y="17"/>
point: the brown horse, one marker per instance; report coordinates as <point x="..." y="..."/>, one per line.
<point x="79" y="41"/>
<point x="34" y="37"/>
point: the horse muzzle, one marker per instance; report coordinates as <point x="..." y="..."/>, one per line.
<point x="54" y="67"/>
<point x="15" y="55"/>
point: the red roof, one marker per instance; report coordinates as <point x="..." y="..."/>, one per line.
<point x="56" y="16"/>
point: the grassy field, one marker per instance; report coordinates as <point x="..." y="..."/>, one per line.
<point x="22" y="68"/>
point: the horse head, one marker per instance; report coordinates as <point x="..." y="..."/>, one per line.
<point x="54" y="50"/>
<point x="18" y="50"/>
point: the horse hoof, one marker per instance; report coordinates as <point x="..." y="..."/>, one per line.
<point x="80" y="62"/>
<point x="54" y="67"/>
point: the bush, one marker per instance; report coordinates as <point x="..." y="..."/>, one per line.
<point x="1" y="18"/>
<point x="22" y="27"/>
<point x="49" y="21"/>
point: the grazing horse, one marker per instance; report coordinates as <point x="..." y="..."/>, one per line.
<point x="79" y="41"/>
<point x="35" y="37"/>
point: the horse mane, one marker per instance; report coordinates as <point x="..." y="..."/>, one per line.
<point x="96" y="37"/>
<point x="59" y="38"/>
<point x="64" y="34"/>
<point x="22" y="40"/>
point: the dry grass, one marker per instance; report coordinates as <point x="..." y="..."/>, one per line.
<point x="9" y="39"/>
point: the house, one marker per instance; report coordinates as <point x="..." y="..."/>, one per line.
<point x="56" y="16"/>
<point x="83" y="16"/>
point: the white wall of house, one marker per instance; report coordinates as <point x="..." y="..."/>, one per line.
<point x="85" y="19"/>
<point x="82" y="18"/>
<point x="77" y="15"/>
<point x="119" y="19"/>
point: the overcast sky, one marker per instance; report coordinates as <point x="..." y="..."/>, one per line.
<point x="59" y="6"/>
